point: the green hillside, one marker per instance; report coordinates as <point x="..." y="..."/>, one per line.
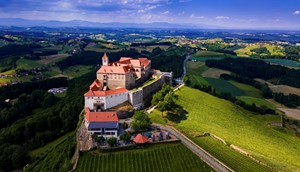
<point x="253" y="133"/>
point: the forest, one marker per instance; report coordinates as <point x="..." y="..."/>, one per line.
<point x="38" y="118"/>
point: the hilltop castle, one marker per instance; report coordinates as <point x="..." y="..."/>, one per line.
<point x="112" y="87"/>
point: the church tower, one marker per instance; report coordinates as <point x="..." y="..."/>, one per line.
<point x="105" y="60"/>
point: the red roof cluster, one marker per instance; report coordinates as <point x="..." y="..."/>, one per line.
<point x="101" y="116"/>
<point x="92" y="93"/>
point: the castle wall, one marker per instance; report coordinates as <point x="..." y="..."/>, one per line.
<point x="136" y="98"/>
<point x="108" y="101"/>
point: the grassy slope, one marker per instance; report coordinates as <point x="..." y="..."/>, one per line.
<point x="194" y="71"/>
<point x="237" y="126"/>
<point x="164" y="157"/>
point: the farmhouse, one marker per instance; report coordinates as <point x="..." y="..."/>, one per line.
<point x="116" y="83"/>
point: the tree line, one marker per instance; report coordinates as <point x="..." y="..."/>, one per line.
<point x="253" y="68"/>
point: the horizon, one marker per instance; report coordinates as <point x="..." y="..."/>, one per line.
<point x="232" y="14"/>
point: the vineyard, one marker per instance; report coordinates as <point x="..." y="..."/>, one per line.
<point x="166" y="157"/>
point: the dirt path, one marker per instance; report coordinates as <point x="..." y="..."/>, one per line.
<point x="200" y="152"/>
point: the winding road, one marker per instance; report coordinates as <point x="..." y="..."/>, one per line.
<point x="200" y="152"/>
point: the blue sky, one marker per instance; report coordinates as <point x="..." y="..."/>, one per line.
<point x="279" y="14"/>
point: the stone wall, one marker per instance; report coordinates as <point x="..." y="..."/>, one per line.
<point x="136" y="97"/>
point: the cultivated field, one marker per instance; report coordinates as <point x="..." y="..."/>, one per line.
<point x="253" y="133"/>
<point x="208" y="54"/>
<point x="273" y="49"/>
<point x="194" y="70"/>
<point x="223" y="86"/>
<point x="214" y="73"/>
<point x="285" y="89"/>
<point x="164" y="157"/>
<point x="292" y="113"/>
<point x="52" y="58"/>
<point x="284" y="62"/>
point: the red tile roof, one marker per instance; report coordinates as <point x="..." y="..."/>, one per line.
<point x="101" y="116"/>
<point x="114" y="69"/>
<point x="91" y="93"/>
<point x="96" y="85"/>
<point x="140" y="139"/>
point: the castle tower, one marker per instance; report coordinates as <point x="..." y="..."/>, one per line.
<point x="105" y="60"/>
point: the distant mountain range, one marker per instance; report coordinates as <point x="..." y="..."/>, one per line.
<point x="19" y="22"/>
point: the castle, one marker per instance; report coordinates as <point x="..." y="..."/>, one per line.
<point x="113" y="86"/>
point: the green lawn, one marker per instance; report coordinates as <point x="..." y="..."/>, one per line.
<point x="164" y="157"/>
<point x="277" y="147"/>
<point x="223" y="86"/>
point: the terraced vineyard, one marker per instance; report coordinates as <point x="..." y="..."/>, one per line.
<point x="253" y="133"/>
<point x="165" y="157"/>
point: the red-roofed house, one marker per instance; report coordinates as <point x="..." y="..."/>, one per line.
<point x="105" y="124"/>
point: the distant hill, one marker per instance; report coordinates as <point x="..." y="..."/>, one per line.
<point x="19" y="22"/>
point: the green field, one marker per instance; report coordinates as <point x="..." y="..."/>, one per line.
<point x="164" y="157"/>
<point x="28" y="64"/>
<point x="257" y="101"/>
<point x="284" y="62"/>
<point x="223" y="86"/>
<point x="208" y="54"/>
<point x="277" y="147"/>
<point x="273" y="49"/>
<point x="194" y="71"/>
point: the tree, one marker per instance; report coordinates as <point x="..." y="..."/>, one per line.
<point x="141" y="121"/>
<point x="162" y="106"/>
<point x="125" y="137"/>
<point x="112" y="141"/>
<point x="157" y="98"/>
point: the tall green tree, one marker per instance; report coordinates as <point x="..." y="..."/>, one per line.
<point x="141" y="121"/>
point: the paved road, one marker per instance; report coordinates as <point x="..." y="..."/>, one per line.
<point x="205" y="156"/>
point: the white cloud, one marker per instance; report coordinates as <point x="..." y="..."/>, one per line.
<point x="166" y="12"/>
<point x="193" y="16"/>
<point x="222" y="17"/>
<point x="297" y="12"/>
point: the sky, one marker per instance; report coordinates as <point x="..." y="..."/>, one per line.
<point x="252" y="14"/>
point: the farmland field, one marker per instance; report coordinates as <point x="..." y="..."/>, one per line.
<point x="208" y="54"/>
<point x="285" y="89"/>
<point x="223" y="86"/>
<point x="194" y="70"/>
<point x="277" y="147"/>
<point x="164" y="157"/>
<point x="52" y="58"/>
<point x="214" y="73"/>
<point x="258" y="101"/>
<point x="284" y="62"/>
<point x="273" y="49"/>
<point x="27" y="64"/>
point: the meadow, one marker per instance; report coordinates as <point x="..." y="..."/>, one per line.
<point x="253" y="133"/>
<point x="194" y="70"/>
<point x="162" y="157"/>
<point x="247" y="51"/>
<point x="208" y="54"/>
